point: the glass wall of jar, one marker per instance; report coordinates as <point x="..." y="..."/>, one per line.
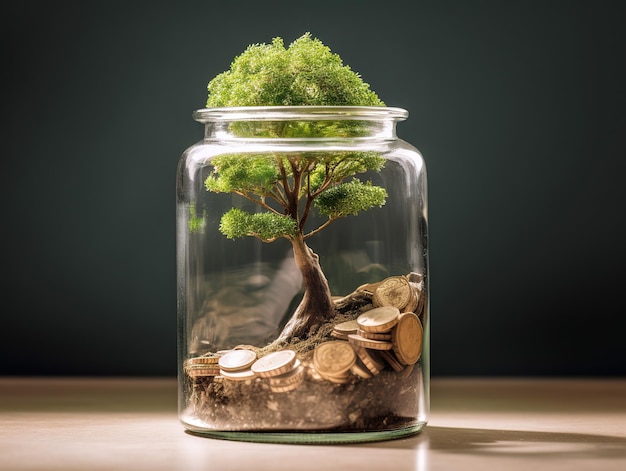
<point x="303" y="288"/>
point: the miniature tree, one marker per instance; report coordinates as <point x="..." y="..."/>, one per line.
<point x="288" y="188"/>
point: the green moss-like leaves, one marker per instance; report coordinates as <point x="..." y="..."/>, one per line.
<point x="243" y="173"/>
<point x="305" y="73"/>
<point x="196" y="223"/>
<point x="350" y="198"/>
<point x="265" y="226"/>
<point x="336" y="166"/>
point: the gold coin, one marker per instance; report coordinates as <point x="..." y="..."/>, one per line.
<point x="391" y="359"/>
<point x="339" y="335"/>
<point x="371" y="359"/>
<point x="236" y="360"/>
<point x="359" y="369"/>
<point x="294" y="376"/>
<point x="374" y="335"/>
<point x="418" y="290"/>
<point x="413" y="303"/>
<point x="286" y="387"/>
<point x="208" y="359"/>
<point x="407" y="371"/>
<point x="333" y="358"/>
<point x="407" y="338"/>
<point x="202" y="372"/>
<point x="355" y="339"/>
<point x="343" y="329"/>
<point x="240" y="375"/>
<point x="348" y="327"/>
<point x="274" y="364"/>
<point x="379" y="319"/>
<point x="419" y="306"/>
<point x="343" y="378"/>
<point x="393" y="291"/>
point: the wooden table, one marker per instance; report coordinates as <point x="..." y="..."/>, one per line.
<point x="475" y="424"/>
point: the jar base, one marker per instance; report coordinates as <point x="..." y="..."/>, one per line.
<point x="310" y="438"/>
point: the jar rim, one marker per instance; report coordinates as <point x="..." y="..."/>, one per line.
<point x="297" y="113"/>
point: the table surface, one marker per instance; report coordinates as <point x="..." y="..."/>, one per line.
<point x="475" y="424"/>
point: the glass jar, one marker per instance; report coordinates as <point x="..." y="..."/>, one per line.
<point x="302" y="262"/>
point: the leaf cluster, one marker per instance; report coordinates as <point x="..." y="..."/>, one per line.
<point x="237" y="173"/>
<point x="350" y="198"/>
<point x="305" y="73"/>
<point x="266" y="226"/>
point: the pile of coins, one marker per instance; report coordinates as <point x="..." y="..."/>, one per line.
<point x="378" y="337"/>
<point x="282" y="369"/>
<point x="390" y="333"/>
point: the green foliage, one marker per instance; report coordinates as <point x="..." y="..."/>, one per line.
<point x="260" y="174"/>
<point x="300" y="129"/>
<point x="266" y="226"/>
<point x="288" y="187"/>
<point x="196" y="224"/>
<point x="339" y="165"/>
<point x="305" y="73"/>
<point x="279" y="182"/>
<point x="236" y="173"/>
<point x="350" y="198"/>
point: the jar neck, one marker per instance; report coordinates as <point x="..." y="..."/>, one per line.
<point x="300" y="122"/>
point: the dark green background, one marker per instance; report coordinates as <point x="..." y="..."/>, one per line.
<point x="517" y="106"/>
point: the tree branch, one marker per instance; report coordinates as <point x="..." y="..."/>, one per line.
<point x="323" y="226"/>
<point x="259" y="202"/>
<point x="283" y="175"/>
<point x="327" y="181"/>
<point x="295" y="192"/>
<point x="279" y="197"/>
<point x="309" y="200"/>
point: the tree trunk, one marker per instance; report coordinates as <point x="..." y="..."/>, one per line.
<point x="317" y="305"/>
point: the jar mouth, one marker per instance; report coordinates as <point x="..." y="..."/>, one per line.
<point x="299" y="113"/>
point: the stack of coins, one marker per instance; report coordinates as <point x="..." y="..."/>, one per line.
<point x="202" y="366"/>
<point x="343" y="329"/>
<point x="381" y="336"/>
<point x="333" y="360"/>
<point x="235" y="365"/>
<point x="374" y="337"/>
<point x="395" y="337"/>
<point x="282" y="369"/>
<point x="368" y="359"/>
<point x="374" y="328"/>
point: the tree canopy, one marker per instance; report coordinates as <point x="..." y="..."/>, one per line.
<point x="289" y="186"/>
<point x="305" y="73"/>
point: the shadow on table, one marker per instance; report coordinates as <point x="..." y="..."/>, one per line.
<point x="523" y="443"/>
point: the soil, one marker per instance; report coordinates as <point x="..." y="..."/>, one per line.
<point x="386" y="401"/>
